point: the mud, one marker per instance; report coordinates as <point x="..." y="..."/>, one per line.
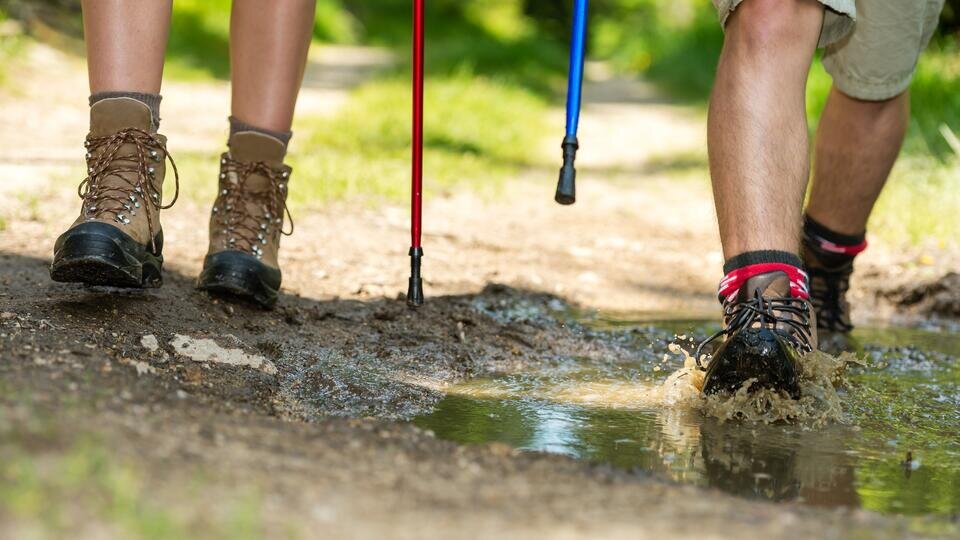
<point x="933" y="298"/>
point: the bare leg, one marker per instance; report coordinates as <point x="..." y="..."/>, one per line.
<point x="857" y="144"/>
<point x="126" y="42"/>
<point x="268" y="54"/>
<point x="757" y="128"/>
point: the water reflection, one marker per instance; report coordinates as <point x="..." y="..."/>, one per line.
<point x="910" y="403"/>
<point x="760" y="463"/>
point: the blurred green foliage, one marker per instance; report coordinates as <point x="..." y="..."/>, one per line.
<point x="506" y="59"/>
<point x="489" y="79"/>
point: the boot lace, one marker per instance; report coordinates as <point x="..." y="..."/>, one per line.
<point x="828" y="289"/>
<point x="786" y="311"/>
<point x="245" y="230"/>
<point x="121" y="197"/>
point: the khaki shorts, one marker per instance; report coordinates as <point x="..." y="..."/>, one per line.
<point x="871" y="46"/>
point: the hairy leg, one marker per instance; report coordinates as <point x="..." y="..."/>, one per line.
<point x="856" y="146"/>
<point x="757" y="128"/>
<point x="268" y="54"/>
<point x="126" y="42"/>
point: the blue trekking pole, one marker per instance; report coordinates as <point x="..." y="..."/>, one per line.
<point x="567" y="186"/>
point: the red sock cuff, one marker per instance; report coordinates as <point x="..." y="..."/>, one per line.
<point x="731" y="283"/>
<point x="831" y="241"/>
<point x="831" y="247"/>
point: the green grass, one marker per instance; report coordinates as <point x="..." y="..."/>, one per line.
<point x="920" y="205"/>
<point x="478" y="132"/>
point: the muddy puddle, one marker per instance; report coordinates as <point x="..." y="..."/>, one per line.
<point x="895" y="448"/>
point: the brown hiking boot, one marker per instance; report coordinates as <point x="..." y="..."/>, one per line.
<point x="247" y="220"/>
<point x="117" y="240"/>
<point x="766" y="330"/>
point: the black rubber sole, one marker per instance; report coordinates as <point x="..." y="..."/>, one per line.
<point x="102" y="255"/>
<point x="754" y="353"/>
<point x="238" y="275"/>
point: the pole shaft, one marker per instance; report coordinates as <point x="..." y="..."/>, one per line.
<point x="417" y="172"/>
<point x="577" y="51"/>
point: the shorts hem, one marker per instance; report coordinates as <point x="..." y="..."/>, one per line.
<point x="870" y="91"/>
<point x="839" y="19"/>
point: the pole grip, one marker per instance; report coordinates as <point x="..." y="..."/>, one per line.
<point x="567" y="185"/>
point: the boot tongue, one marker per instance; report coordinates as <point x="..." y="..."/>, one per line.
<point x="251" y="146"/>
<point x="111" y="115"/>
<point x="770" y="285"/>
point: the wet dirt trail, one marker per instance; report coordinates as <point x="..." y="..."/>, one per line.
<point x="294" y="422"/>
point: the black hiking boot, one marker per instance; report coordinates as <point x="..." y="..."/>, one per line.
<point x="829" y="281"/>
<point x="117" y="240"/>
<point x="766" y="330"/>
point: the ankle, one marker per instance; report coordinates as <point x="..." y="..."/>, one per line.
<point x="152" y="101"/>
<point x="740" y="268"/>
<point x="239" y="126"/>
<point x="828" y="241"/>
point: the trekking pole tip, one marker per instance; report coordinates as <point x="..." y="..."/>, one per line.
<point x="567" y="186"/>
<point x="415" y="287"/>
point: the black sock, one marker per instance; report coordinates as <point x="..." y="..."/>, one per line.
<point x="761" y="257"/>
<point x="822" y="238"/>
<point x="237" y="126"/>
<point x="150" y="100"/>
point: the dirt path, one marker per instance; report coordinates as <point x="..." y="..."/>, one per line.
<point x="244" y="405"/>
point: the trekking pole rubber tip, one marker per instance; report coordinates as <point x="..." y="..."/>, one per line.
<point x="567" y="186"/>
<point x="415" y="287"/>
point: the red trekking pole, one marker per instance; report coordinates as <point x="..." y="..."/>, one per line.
<point x="415" y="289"/>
